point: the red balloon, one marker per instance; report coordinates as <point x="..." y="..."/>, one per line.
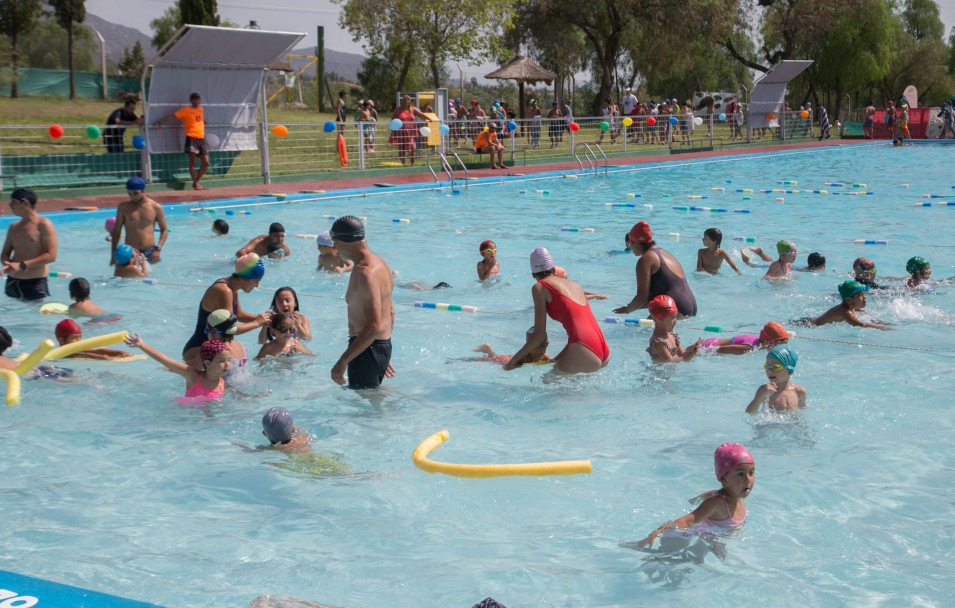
<point x="770" y="116"/>
<point x="56" y="131"/>
<point x="651" y="121"/>
<point x="574" y="127"/>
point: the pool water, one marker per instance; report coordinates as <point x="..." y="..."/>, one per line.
<point x="110" y="485"/>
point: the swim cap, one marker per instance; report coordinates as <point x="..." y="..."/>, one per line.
<point x="850" y="288"/>
<point x="135" y="183"/>
<point x="110" y="224"/>
<point x="728" y="456"/>
<point x="784" y="247"/>
<point x="541" y="260"/>
<point x="211" y="348"/>
<point x="222" y="321"/>
<point x="325" y="239"/>
<point x="276" y="227"/>
<point x="640" y="233"/>
<point x="485" y="245"/>
<point x="24" y="194"/>
<point x="863" y="265"/>
<point x="123" y="254"/>
<point x="250" y="266"/>
<point x="348" y="229"/>
<point x="784" y="355"/>
<point x="773" y="332"/>
<point x="915" y="264"/>
<point x="67" y="327"/>
<point x="662" y="307"/>
<point x="277" y="424"/>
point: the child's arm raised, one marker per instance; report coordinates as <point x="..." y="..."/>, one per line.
<point x="177" y="367"/>
<point x="729" y="261"/>
<point x="762" y="393"/>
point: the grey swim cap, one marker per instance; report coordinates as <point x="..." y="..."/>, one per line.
<point x="277" y="424"/>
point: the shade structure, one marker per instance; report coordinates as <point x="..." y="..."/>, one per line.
<point x="769" y="92"/>
<point x="522" y="69"/>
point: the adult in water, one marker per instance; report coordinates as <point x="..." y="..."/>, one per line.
<point x="141" y="217"/>
<point x="224" y="294"/>
<point x="565" y="302"/>
<point x="657" y="274"/>
<point x="371" y="312"/>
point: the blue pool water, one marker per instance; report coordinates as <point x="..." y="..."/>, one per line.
<point x="110" y="485"/>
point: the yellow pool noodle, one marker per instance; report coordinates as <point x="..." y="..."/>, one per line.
<point x="13" y="386"/>
<point x="420" y="459"/>
<point x="35" y="357"/>
<point x="77" y="347"/>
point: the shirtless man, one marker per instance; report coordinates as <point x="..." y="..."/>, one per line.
<point x="30" y="246"/>
<point x="371" y="313"/>
<point x="868" y="119"/>
<point x="140" y="215"/>
<point x="261" y="244"/>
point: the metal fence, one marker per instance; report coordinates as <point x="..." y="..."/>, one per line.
<point x="30" y="156"/>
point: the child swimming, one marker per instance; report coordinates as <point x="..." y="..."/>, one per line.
<point x="207" y="385"/>
<point x="67" y="332"/>
<point x="285" y="301"/>
<point x="329" y="259"/>
<point x="286" y="342"/>
<point x="919" y="271"/>
<point x="664" y="344"/>
<point x="538" y="356"/>
<point x="721" y="512"/>
<point x="781" y="269"/>
<point x="83" y="306"/>
<point x="711" y="257"/>
<point x="772" y="335"/>
<point x="487" y="267"/>
<point x="6" y="342"/>
<point x="779" y="394"/>
<point x="864" y="270"/>
<point x="853" y="301"/>
<point x="130" y="263"/>
<point x="220" y="227"/>
<point x="282" y="434"/>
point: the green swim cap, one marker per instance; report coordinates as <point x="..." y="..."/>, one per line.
<point x="851" y="288"/>
<point x="784" y="355"/>
<point x="784" y="247"/>
<point x="915" y="264"/>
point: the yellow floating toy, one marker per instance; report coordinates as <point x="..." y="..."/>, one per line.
<point x="13" y="386"/>
<point x="420" y="459"/>
<point x="77" y="347"/>
<point x="31" y="360"/>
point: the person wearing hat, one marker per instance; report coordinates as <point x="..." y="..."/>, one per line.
<point x="329" y="258"/>
<point x="124" y="116"/>
<point x="853" y="302"/>
<point x="267" y="245"/>
<point x="282" y="434"/>
<point x="192" y="117"/>
<point x="68" y="331"/>
<point x="129" y="263"/>
<point x="30" y="245"/>
<point x="141" y="217"/>
<point x="657" y="274"/>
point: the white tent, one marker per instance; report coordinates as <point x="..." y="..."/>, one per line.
<point x="769" y="92"/>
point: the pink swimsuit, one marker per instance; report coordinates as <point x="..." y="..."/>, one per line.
<point x="200" y="394"/>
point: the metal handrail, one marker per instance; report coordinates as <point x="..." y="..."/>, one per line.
<point x="467" y="178"/>
<point x="606" y="160"/>
<point x="589" y="153"/>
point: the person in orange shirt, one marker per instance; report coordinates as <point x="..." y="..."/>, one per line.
<point x="487" y="143"/>
<point x="192" y="119"/>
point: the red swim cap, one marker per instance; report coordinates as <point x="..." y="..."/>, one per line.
<point x="67" y="327"/>
<point x="662" y="307"/>
<point x="640" y="233"/>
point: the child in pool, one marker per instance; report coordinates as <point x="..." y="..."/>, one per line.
<point x="864" y="270"/>
<point x="82" y="306"/>
<point x="919" y="271"/>
<point x="130" y="263"/>
<point x="721" y="512"/>
<point x="207" y="385"/>
<point x="779" y="394"/>
<point x="664" y="344"/>
<point x="285" y="301"/>
<point x="537" y="356"/>
<point x="711" y="257"/>
<point x="276" y="251"/>
<point x="286" y="342"/>
<point x="282" y="434"/>
<point x="6" y="342"/>
<point x="772" y="335"/>
<point x="781" y="269"/>
<point x="488" y="264"/>
<point x="814" y="263"/>
<point x="67" y="332"/>
<point x="853" y="301"/>
<point x="220" y="227"/>
<point x="329" y="259"/>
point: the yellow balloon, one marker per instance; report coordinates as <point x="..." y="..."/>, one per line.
<point x="627" y="121"/>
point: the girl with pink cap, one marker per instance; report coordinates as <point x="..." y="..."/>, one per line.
<point x="664" y="344"/>
<point x="201" y="386"/>
<point x="721" y="512"/>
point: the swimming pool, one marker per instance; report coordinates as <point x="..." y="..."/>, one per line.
<point x="112" y="486"/>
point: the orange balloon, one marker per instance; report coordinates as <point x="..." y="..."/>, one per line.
<point x="280" y="130"/>
<point x="651" y="121"/>
<point x="804" y="113"/>
<point x="770" y="116"/>
<point x="574" y="127"/>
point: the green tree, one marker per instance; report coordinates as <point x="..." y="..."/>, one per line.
<point x="165" y="26"/>
<point x="46" y="48"/>
<point x="69" y="14"/>
<point x="17" y="17"/>
<point x="198" y="12"/>
<point x="380" y="82"/>
<point x="922" y="21"/>
<point x="133" y="63"/>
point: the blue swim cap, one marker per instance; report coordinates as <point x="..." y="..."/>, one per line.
<point x="784" y="355"/>
<point x="123" y="254"/>
<point x="135" y="183"/>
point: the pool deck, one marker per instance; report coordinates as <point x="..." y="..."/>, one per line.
<point x="346" y="183"/>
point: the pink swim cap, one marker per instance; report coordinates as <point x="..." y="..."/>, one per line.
<point x="110" y="223"/>
<point x="728" y="456"/>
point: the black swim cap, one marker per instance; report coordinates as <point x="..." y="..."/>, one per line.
<point x="816" y="260"/>
<point x="276" y="227"/>
<point x="440" y="285"/>
<point x="221" y="225"/>
<point x="24" y="194"/>
<point x="348" y="229"/>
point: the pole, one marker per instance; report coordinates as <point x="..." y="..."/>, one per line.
<point x="102" y="59"/>
<point x="460" y="71"/>
<point x="320" y="68"/>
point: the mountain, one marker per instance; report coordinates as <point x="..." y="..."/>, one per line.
<point x="118" y="38"/>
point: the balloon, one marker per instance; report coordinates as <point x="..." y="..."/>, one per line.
<point x="92" y="131"/>
<point x="651" y="121"/>
<point x="627" y="121"/>
<point x="444" y="129"/>
<point x="394" y="125"/>
<point x="697" y="120"/>
<point x="673" y="120"/>
<point x="425" y="131"/>
<point x="280" y="130"/>
<point x="722" y="117"/>
<point x="804" y="113"/>
<point x="212" y="140"/>
<point x="330" y="126"/>
<point x="574" y="127"/>
<point x="56" y="131"/>
<point x="138" y="142"/>
<point x="770" y="116"/>
<point x="512" y="126"/>
<point x="604" y="125"/>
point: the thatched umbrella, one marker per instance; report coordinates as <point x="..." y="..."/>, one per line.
<point x="522" y="70"/>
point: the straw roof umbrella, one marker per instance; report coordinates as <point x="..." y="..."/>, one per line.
<point x="522" y="70"/>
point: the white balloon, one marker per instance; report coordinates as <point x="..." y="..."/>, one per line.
<point x="212" y="140"/>
<point x="697" y="120"/>
<point x="426" y="131"/>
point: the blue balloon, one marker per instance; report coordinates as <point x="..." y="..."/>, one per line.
<point x="138" y="142"/>
<point x="673" y="120"/>
<point x="722" y="117"/>
<point x="329" y="126"/>
<point x="512" y="126"/>
<point x="445" y="129"/>
<point x="395" y="124"/>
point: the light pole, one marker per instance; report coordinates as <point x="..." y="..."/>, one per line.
<point x="102" y="58"/>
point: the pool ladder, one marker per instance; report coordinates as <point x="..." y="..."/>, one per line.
<point x="446" y="166"/>
<point x="590" y="156"/>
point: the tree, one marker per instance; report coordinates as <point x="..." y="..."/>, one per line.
<point x="381" y="82"/>
<point x="922" y="22"/>
<point x="46" y="48"/>
<point x="17" y="17"/>
<point x="165" y="26"/>
<point x="198" y="12"/>
<point x="133" y="63"/>
<point x="69" y="14"/>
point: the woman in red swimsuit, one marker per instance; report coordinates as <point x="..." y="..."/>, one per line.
<point x="565" y="302"/>
<point x="406" y="137"/>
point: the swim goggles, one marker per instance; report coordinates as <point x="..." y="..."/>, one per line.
<point x="286" y="330"/>
<point x="490" y="249"/>
<point x="776" y="367"/>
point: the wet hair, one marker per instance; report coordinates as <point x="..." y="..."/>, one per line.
<point x="544" y="273"/>
<point x="273" y="247"/>
<point x="5" y="340"/>
<point x="276" y="297"/>
<point x="642" y="247"/>
<point x="221" y="226"/>
<point x="816" y="260"/>
<point x="714" y="235"/>
<point x="80" y="289"/>
<point x="277" y="320"/>
<point x="276" y="227"/>
<point x="441" y="285"/>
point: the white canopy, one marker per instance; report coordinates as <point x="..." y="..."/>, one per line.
<point x="769" y="92"/>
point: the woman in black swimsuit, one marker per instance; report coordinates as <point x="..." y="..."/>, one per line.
<point x="657" y="274"/>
